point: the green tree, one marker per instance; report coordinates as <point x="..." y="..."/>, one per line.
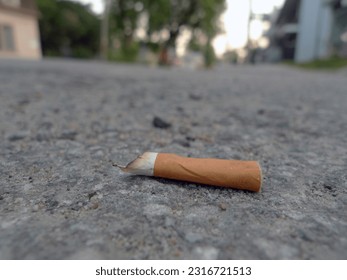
<point x="68" y="29"/>
<point x="124" y="16"/>
<point x="172" y="15"/>
<point x="168" y="15"/>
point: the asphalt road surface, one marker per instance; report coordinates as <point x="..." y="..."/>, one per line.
<point x="62" y="122"/>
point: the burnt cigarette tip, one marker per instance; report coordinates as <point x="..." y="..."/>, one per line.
<point x="117" y="165"/>
<point x="142" y="165"/>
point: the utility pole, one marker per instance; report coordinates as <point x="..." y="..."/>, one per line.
<point x="248" y="47"/>
<point x="105" y="30"/>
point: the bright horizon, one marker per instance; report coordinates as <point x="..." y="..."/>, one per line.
<point x="234" y="21"/>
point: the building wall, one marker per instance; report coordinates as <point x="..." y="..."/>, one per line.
<point x="314" y="30"/>
<point x="25" y="32"/>
<point x="339" y="36"/>
<point x="325" y="32"/>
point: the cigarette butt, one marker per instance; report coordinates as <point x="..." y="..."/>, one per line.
<point x="245" y="175"/>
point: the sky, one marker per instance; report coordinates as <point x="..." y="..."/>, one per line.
<point x="97" y="5"/>
<point x="234" y="19"/>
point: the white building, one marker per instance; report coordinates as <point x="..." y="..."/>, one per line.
<point x="309" y="29"/>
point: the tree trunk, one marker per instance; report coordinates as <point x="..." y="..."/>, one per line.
<point x="164" y="57"/>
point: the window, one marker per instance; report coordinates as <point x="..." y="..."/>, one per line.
<point x="6" y="38"/>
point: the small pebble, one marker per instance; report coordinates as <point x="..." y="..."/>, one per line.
<point x="95" y="205"/>
<point x="195" y="97"/>
<point x="222" y="206"/>
<point x="160" y="123"/>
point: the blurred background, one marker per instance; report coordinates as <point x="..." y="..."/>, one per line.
<point x="180" y="33"/>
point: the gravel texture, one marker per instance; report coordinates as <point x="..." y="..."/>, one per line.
<point x="61" y="122"/>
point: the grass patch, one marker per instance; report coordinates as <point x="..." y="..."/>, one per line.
<point x="125" y="54"/>
<point x="333" y="63"/>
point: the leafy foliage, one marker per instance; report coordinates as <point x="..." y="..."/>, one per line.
<point x="332" y="63"/>
<point x="71" y="29"/>
<point x="174" y="14"/>
<point x="68" y="29"/>
<point x="163" y="15"/>
<point x="209" y="55"/>
<point x="124" y="15"/>
<point x="199" y="15"/>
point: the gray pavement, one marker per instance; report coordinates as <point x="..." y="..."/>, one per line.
<point x="61" y="122"/>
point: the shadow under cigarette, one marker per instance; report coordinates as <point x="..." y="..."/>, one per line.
<point x="184" y="184"/>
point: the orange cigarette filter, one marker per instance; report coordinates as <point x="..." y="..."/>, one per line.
<point x="245" y="175"/>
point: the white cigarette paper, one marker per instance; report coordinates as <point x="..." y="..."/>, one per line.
<point x="142" y="165"/>
<point x="238" y="174"/>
